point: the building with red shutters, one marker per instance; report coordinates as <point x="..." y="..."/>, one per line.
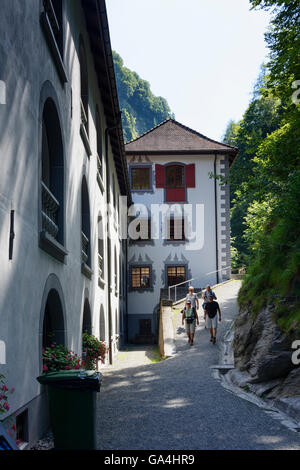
<point x="183" y="228"/>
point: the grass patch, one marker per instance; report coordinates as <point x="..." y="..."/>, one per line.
<point x="156" y="357"/>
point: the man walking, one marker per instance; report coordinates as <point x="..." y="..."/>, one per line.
<point x="210" y="316"/>
<point x="205" y="296"/>
<point x="190" y="316"/>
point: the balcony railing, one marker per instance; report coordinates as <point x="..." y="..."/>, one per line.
<point x="84" y="248"/>
<point x="52" y="16"/>
<point x="100" y="266"/>
<point x="50" y="208"/>
<point x="83" y="114"/>
<point x="100" y="173"/>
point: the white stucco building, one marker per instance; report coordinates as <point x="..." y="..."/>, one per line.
<point x="172" y="164"/>
<point x="62" y="267"/>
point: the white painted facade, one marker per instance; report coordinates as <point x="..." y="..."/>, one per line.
<point x="31" y="77"/>
<point x="160" y="253"/>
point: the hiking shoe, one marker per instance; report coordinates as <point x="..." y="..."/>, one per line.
<point x="214" y="340"/>
<point x="211" y="339"/>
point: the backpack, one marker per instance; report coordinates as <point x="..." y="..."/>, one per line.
<point x="190" y="315"/>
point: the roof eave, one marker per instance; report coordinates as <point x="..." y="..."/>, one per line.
<point x="98" y="30"/>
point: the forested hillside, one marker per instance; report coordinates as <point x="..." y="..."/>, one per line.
<point x="265" y="179"/>
<point x="141" y="110"/>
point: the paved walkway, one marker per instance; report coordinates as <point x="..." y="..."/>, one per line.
<point x="177" y="404"/>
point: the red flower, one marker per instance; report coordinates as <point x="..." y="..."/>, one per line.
<point x="6" y="406"/>
<point x="45" y="368"/>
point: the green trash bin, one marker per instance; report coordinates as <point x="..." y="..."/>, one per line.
<point x="72" y="407"/>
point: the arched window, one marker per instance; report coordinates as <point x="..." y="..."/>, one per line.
<point x="102" y="324"/>
<point x="52" y="174"/>
<point x="99" y="144"/>
<point x="85" y="229"/>
<point x="100" y="250"/>
<point x="84" y="89"/>
<point x="176" y="178"/>
<point x="175" y="183"/>
<point x="53" y="324"/>
<point x="116" y="271"/>
<point x="114" y="191"/>
<point x="87" y="318"/>
<point x="117" y="323"/>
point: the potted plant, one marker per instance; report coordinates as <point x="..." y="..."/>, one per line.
<point x="94" y="351"/>
<point x="57" y="357"/>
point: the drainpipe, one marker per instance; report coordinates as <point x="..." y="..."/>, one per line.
<point x="216" y="217"/>
<point x="126" y="289"/>
<point x="107" y="131"/>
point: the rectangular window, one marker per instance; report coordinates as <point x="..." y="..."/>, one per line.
<point x="140" y="277"/>
<point x="175" y="176"/>
<point x="176" y="274"/>
<point x="141" y="179"/>
<point x="176" y="229"/>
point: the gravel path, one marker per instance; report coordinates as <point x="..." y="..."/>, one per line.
<point x="177" y="404"/>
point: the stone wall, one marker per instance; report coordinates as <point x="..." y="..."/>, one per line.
<point x="263" y="355"/>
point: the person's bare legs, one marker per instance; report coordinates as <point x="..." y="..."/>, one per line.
<point x="211" y="334"/>
<point x="192" y="338"/>
<point x="214" y="330"/>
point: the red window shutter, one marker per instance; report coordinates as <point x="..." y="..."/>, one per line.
<point x="175" y="195"/>
<point x="160" y="176"/>
<point x="190" y="176"/>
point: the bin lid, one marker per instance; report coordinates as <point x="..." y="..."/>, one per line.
<point x="84" y="380"/>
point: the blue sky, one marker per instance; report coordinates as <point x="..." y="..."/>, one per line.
<point x="203" y="56"/>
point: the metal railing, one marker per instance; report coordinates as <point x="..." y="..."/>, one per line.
<point x="50" y="208"/>
<point x="100" y="266"/>
<point x="193" y="279"/>
<point x="83" y="115"/>
<point x="84" y="248"/>
<point x="99" y="167"/>
<point x="49" y="9"/>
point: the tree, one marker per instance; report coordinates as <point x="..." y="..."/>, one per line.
<point x="141" y="110"/>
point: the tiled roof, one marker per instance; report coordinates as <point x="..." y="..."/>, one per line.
<point x="172" y="137"/>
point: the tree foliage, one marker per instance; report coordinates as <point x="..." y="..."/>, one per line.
<point x="141" y="110"/>
<point x="268" y="195"/>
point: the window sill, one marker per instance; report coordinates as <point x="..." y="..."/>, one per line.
<point x="141" y="242"/>
<point x="47" y="29"/>
<point x="142" y="191"/>
<point x="86" y="270"/>
<point x="101" y="282"/>
<point x="100" y="182"/>
<point x="52" y="247"/>
<point x="176" y="202"/>
<point x="141" y="289"/>
<point x="85" y="140"/>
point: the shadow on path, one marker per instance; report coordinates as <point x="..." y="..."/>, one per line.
<point x="177" y="404"/>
